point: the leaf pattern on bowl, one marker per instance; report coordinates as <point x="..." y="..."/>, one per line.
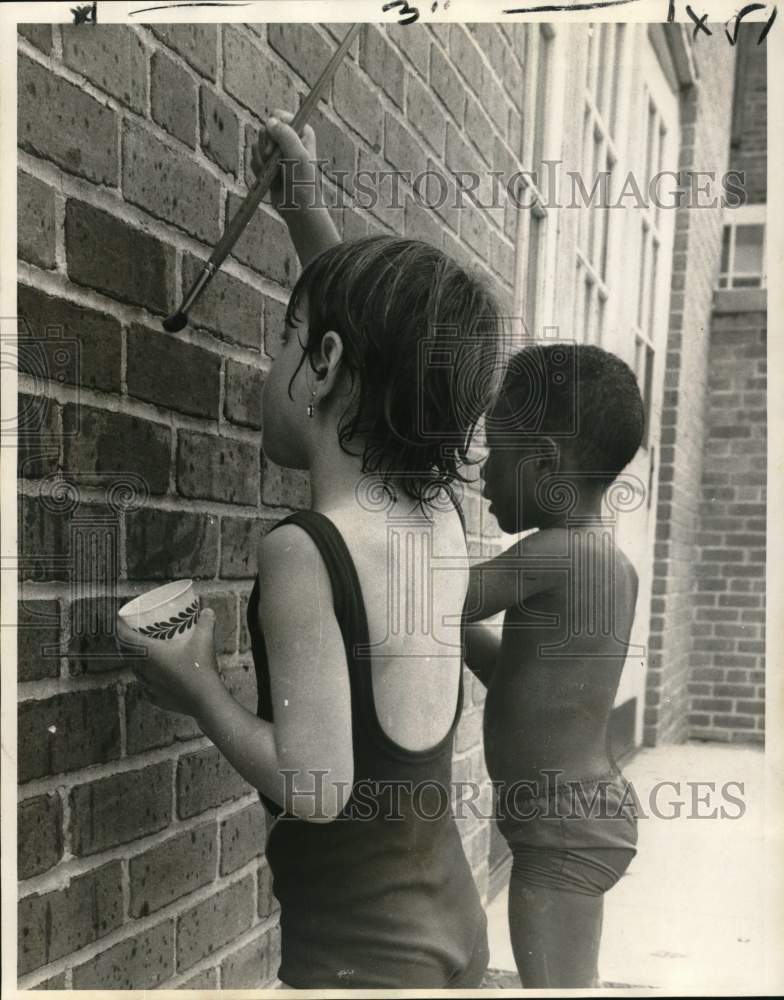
<point x="173" y="626"/>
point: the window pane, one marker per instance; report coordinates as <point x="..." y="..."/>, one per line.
<point x="725" y="250"/>
<point x="652" y="289"/>
<point x="542" y="71"/>
<point x="748" y="250"/>
<point x="602" y="68"/>
<point x="532" y="277"/>
<point x="616" y="76"/>
<point x="643" y="271"/>
<point x="746" y="282"/>
<point x="586" y="333"/>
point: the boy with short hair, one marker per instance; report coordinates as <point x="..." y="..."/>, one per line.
<point x="565" y="423"/>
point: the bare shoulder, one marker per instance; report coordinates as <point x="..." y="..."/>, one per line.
<point x="289" y="563"/>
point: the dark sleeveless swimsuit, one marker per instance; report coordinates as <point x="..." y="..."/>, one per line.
<point x="379" y="897"/>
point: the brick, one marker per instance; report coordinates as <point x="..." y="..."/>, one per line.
<point x="166" y="545"/>
<point x="196" y="43"/>
<point x="38" y="629"/>
<point x="39" y="835"/>
<point x="242" y="836"/>
<point x="173" y="869"/>
<point x="101" y="249"/>
<point x="220" y="131"/>
<point x="378" y="190"/>
<point x="170" y="186"/>
<point x="112" y="57"/>
<point x="274" y="324"/>
<point x="229" y="308"/>
<point x="107" y="442"/>
<point x="52" y="983"/>
<point x="61" y="123"/>
<point x="382" y="63"/>
<point x="39" y="428"/>
<point x="121" y="808"/>
<point x="247" y="967"/>
<point x="57" y="923"/>
<point x="91" y="340"/>
<point x="267" y="903"/>
<point x="401" y="149"/>
<point x="148" y="727"/>
<point x="358" y="105"/>
<point x="466" y="56"/>
<point x="712" y="704"/>
<point x="240" y="537"/>
<point x="67" y="732"/>
<point x="217" y="468"/>
<point x="173" y="98"/>
<point x="412" y="41"/>
<point x="244" y="636"/>
<point x="251" y="77"/>
<point x="243" y="388"/>
<point x="39" y="35"/>
<point x="734" y="691"/>
<point x="205" y="779"/>
<point x="421" y="223"/>
<point x="216" y="921"/>
<point x="503" y="259"/>
<point x="734" y="721"/>
<point x="424" y="114"/>
<point x="36" y="222"/>
<point x="751" y="707"/>
<point x="265" y="245"/>
<point x="91" y="644"/>
<point x="140" y="962"/>
<point x="302" y="47"/>
<point x="44" y="536"/>
<point x="205" y="980"/>
<point x="479" y="129"/>
<point x="336" y="148"/>
<point x="240" y="682"/>
<point x="283" y="487"/>
<point x="154" y="357"/>
<point x="225" y="608"/>
<point x="446" y="84"/>
<point x="474" y="230"/>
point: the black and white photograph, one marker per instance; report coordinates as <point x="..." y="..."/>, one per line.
<point x="385" y="519"/>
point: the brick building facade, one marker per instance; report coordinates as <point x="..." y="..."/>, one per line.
<point x="140" y="850"/>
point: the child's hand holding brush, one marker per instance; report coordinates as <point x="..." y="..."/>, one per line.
<point x="296" y="191"/>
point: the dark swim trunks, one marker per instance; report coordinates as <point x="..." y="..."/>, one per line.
<point x="580" y="837"/>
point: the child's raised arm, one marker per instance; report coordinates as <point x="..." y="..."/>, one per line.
<point x="296" y="192"/>
<point x="532" y="565"/>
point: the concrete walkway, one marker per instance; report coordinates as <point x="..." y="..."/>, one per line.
<point x="689" y="915"/>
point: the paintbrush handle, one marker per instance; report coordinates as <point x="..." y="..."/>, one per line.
<point x="265" y="179"/>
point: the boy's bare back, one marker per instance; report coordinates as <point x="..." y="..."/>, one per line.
<point x="551" y="693"/>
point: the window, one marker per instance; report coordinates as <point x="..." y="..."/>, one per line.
<point x="599" y="158"/>
<point x="650" y="164"/>
<point x="532" y="221"/>
<point x="743" y="248"/>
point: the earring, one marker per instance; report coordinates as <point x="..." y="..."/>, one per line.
<point x="310" y="404"/>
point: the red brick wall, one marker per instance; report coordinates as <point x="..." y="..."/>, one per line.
<point x="749" y="147"/>
<point x="678" y="585"/>
<point x="727" y="686"/>
<point x="140" y="852"/>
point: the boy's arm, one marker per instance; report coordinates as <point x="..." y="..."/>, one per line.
<point x="532" y="565"/>
<point x="482" y="644"/>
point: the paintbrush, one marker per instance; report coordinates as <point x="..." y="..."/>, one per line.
<point x="262" y="184"/>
